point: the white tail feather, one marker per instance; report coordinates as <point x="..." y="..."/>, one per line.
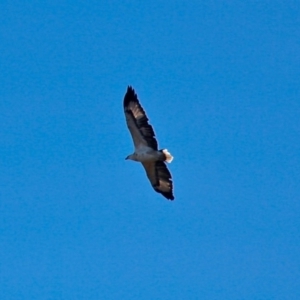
<point x="168" y="155"/>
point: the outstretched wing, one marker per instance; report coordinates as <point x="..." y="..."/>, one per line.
<point x="160" y="178"/>
<point x="142" y="133"/>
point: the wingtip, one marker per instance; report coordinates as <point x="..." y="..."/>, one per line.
<point x="169" y="196"/>
<point x="130" y="95"/>
<point x="130" y="88"/>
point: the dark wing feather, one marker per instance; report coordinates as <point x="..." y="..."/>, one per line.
<point x="137" y="121"/>
<point x="160" y="178"/>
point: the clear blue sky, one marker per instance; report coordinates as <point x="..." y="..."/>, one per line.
<point x="220" y="82"/>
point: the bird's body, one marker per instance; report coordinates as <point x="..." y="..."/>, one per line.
<point x="146" y="149"/>
<point x="146" y="154"/>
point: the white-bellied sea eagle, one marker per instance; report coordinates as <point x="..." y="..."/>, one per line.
<point x="146" y="149"/>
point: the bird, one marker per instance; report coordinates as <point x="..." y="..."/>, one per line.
<point x="146" y="147"/>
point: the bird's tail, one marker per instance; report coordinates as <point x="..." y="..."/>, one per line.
<point x="168" y="155"/>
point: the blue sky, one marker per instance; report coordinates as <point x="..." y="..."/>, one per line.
<point x="220" y="82"/>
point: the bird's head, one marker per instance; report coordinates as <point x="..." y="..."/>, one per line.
<point x="130" y="157"/>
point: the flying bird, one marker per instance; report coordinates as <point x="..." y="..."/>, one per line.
<point x="145" y="146"/>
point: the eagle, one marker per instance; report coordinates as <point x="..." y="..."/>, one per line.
<point x="145" y="146"/>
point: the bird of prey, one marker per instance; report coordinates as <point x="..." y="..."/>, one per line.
<point x="146" y="148"/>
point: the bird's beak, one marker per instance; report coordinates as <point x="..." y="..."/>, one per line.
<point x="126" y="158"/>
